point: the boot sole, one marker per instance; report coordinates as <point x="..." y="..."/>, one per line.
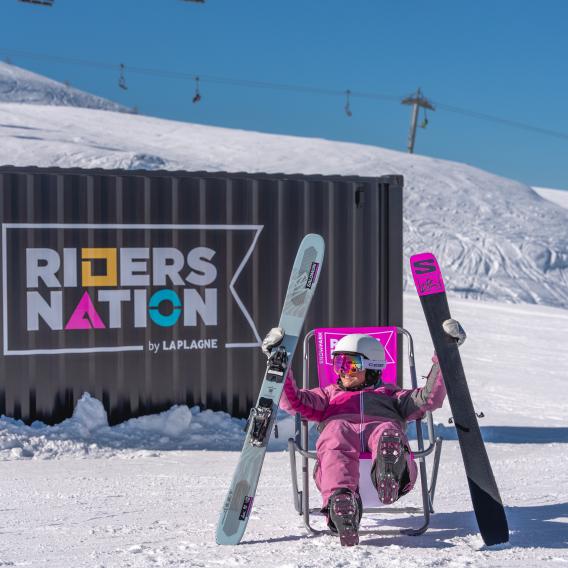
<point x="344" y="514"/>
<point x="391" y="465"/>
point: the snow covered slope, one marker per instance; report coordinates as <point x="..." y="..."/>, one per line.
<point x="558" y="196"/>
<point x="22" y="86"/>
<point x="496" y="238"/>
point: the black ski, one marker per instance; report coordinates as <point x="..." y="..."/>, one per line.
<point x="485" y="497"/>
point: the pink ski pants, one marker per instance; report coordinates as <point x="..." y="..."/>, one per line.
<point x="338" y="449"/>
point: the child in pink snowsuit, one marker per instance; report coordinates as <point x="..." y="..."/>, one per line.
<point x="370" y="419"/>
<point x="360" y="414"/>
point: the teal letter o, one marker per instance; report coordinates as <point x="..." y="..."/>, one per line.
<point x="154" y="304"/>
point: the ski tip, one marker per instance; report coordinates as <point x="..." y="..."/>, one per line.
<point x="314" y="238"/>
<point x="499" y="536"/>
<point x="223" y="538"/>
<point x="497" y="532"/>
<point x="501" y="542"/>
<point x="427" y="274"/>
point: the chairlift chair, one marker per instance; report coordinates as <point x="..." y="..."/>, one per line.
<point x="388" y="336"/>
<point x="122" y="79"/>
<point x="39" y="2"/>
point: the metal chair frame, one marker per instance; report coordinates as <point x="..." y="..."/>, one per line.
<point x="300" y="445"/>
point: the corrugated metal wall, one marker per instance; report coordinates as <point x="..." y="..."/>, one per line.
<point x="44" y="371"/>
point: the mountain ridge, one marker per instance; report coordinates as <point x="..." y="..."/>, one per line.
<point x="22" y="86"/>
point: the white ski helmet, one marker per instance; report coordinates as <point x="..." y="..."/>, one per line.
<point x="365" y="345"/>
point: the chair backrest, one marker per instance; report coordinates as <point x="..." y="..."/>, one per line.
<point x="326" y="339"/>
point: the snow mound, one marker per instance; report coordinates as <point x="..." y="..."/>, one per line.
<point x="87" y="433"/>
<point x="146" y="162"/>
<point x="89" y="414"/>
<point x="18" y="85"/>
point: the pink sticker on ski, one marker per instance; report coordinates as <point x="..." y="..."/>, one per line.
<point x="426" y="273"/>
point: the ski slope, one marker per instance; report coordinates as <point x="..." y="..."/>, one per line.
<point x="496" y="238"/>
<point x="146" y="493"/>
<point x="22" y="86"/>
<point x="558" y="196"/>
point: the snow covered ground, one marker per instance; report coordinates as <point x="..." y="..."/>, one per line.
<point x="147" y="493"/>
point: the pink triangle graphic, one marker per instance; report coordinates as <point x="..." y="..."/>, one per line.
<point x="85" y="316"/>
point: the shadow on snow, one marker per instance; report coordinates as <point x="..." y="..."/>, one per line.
<point x="507" y="434"/>
<point x="530" y="527"/>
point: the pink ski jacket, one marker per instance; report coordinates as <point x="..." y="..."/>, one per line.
<point x="387" y="403"/>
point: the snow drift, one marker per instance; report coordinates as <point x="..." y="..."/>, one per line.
<point x="88" y="434"/>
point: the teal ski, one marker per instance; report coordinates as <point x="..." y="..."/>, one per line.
<point x="301" y="288"/>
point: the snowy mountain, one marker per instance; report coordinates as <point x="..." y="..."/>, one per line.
<point x="22" y="86"/>
<point x="496" y="238"/>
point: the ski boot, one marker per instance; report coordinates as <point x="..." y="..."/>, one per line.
<point x="344" y="515"/>
<point x="390" y="466"/>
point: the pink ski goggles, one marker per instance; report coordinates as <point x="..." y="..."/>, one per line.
<point x="353" y="363"/>
<point x="346" y="363"/>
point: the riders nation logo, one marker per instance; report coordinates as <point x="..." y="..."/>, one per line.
<point x="84" y="288"/>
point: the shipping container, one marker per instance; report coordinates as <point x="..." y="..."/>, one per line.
<point x="148" y="289"/>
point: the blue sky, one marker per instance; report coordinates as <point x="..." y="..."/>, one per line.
<point x="505" y="58"/>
